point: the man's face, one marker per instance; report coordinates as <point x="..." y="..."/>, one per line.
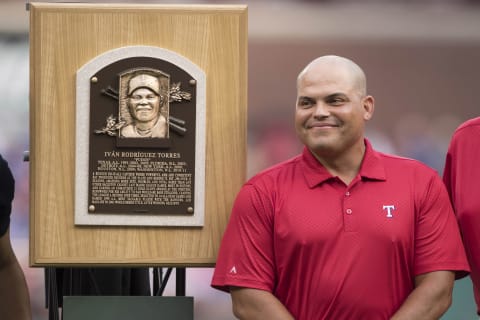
<point x="331" y="111"/>
<point x="144" y="104"/>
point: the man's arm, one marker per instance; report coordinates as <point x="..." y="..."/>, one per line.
<point x="14" y="299"/>
<point x="430" y="299"/>
<point x="255" y="304"/>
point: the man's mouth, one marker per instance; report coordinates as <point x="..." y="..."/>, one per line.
<point x="321" y="125"/>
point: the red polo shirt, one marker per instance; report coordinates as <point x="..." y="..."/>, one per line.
<point x="461" y="177"/>
<point x="331" y="251"/>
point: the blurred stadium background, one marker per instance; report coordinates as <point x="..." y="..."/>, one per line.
<point x="422" y="62"/>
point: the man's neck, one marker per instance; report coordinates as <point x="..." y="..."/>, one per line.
<point x="345" y="166"/>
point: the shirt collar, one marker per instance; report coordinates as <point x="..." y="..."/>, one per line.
<point x="315" y="173"/>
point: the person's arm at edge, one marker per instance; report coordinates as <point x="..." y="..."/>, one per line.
<point x="255" y="304"/>
<point x="14" y="298"/>
<point x="430" y="299"/>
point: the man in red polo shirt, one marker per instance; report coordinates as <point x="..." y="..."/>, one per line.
<point x="341" y="231"/>
<point x="461" y="176"/>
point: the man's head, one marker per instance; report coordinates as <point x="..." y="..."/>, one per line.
<point x="144" y="80"/>
<point x="144" y="97"/>
<point x="332" y="106"/>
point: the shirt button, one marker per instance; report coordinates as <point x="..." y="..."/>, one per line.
<point x="347" y="193"/>
<point x="349" y="211"/>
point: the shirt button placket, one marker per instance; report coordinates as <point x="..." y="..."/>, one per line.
<point x="348" y="217"/>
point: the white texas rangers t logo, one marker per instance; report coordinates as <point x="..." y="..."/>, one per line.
<point x="389" y="208"/>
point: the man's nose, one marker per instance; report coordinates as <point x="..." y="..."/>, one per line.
<point x="321" y="110"/>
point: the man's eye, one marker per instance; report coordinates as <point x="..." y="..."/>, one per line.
<point x="305" y="103"/>
<point x="336" y="101"/>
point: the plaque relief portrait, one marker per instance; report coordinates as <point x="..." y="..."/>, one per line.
<point x="144" y="103"/>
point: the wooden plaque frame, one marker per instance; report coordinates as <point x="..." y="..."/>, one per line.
<point x="64" y="37"/>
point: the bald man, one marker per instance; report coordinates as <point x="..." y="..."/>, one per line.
<point x="340" y="231"/>
<point x="14" y="299"/>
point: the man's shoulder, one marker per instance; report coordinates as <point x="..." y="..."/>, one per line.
<point x="404" y="164"/>
<point x="128" y="129"/>
<point x="7" y="186"/>
<point x="468" y="127"/>
<point x="470" y="123"/>
<point x="275" y="171"/>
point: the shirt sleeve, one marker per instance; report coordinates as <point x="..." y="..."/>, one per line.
<point x="438" y="244"/>
<point x="7" y="186"/>
<point x="246" y="257"/>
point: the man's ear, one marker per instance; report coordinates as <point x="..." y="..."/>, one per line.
<point x="369" y="107"/>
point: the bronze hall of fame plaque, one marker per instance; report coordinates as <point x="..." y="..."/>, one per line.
<point x="141" y="122"/>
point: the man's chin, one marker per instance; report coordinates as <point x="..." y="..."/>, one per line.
<point x="145" y="118"/>
<point x="320" y="143"/>
<point x="322" y="149"/>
